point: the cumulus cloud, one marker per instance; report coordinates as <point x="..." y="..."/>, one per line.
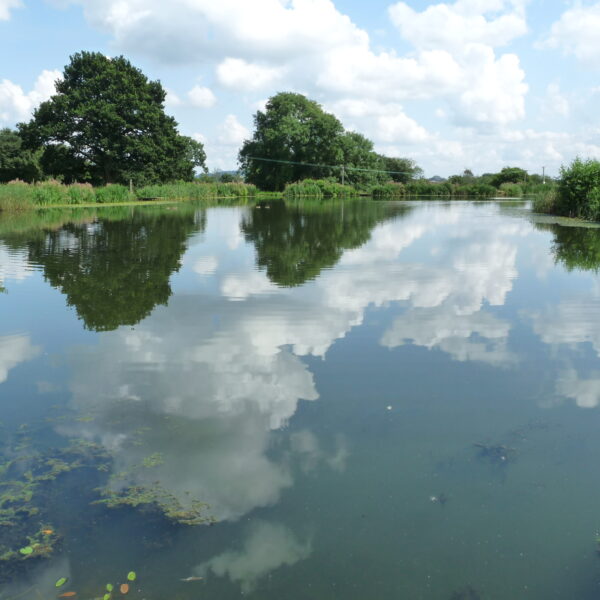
<point x="6" y="6"/>
<point x="451" y="26"/>
<point x="311" y="45"/>
<point x="232" y="132"/>
<point x="267" y="547"/>
<point x="238" y="74"/>
<point x="18" y="105"/>
<point x="576" y="33"/>
<point x="201" y="97"/>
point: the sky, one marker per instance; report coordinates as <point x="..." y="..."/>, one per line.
<point x="470" y="84"/>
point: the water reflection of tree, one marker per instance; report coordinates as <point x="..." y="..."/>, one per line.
<point x="294" y="243"/>
<point x="114" y="272"/>
<point x="576" y="247"/>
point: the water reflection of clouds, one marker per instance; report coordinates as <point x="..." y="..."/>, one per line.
<point x="568" y="325"/>
<point x="266" y="547"/>
<point x="13" y="264"/>
<point x="15" y="349"/>
<point x="208" y="380"/>
<point x="570" y="322"/>
<point x="454" y="334"/>
<point x="584" y="391"/>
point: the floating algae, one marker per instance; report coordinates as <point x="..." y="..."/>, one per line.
<point x="157" y="499"/>
<point x="26" y="479"/>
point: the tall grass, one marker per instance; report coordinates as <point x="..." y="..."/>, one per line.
<point x="18" y="195"/>
<point x="197" y="191"/>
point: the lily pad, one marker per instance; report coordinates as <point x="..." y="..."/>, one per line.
<point x="109" y="587"/>
<point x="131" y="576"/>
<point x="107" y="596"/>
<point x="26" y="551"/>
<point x="60" y="582"/>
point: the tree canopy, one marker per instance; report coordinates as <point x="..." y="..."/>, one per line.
<point x="16" y="162"/>
<point x="107" y="124"/>
<point x="294" y="129"/>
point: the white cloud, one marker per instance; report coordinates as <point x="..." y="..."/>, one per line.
<point x="555" y="102"/>
<point x="310" y="45"/>
<point x="451" y="26"/>
<point x="172" y="99"/>
<point x="6" y="6"/>
<point x="268" y="546"/>
<point x="201" y="97"/>
<point x="232" y="132"/>
<point x="576" y="32"/>
<point x="16" y="105"/>
<point x="241" y="75"/>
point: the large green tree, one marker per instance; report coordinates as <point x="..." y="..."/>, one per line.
<point x="295" y="129"/>
<point x="107" y="124"/>
<point x="16" y="162"/>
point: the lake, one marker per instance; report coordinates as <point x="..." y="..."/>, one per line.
<point x="307" y="401"/>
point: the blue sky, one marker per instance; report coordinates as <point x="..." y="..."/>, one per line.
<point x="476" y="84"/>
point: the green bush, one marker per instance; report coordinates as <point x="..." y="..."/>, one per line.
<point x="318" y="188"/>
<point x="577" y="193"/>
<point x="511" y="190"/>
<point x="575" y="188"/>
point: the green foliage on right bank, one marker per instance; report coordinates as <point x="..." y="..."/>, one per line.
<point x="577" y="193"/>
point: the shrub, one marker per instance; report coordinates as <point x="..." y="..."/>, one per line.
<point x="512" y="190"/>
<point x="318" y="188"/>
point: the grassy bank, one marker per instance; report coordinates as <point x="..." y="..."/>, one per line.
<point x="577" y="193"/>
<point x="17" y="196"/>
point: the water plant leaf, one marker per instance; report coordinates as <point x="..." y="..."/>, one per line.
<point x="107" y="596"/>
<point x="131" y="576"/>
<point x="60" y="582"/>
<point x="26" y="550"/>
<point x="124" y="588"/>
<point x="109" y="587"/>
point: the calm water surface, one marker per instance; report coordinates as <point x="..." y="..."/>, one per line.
<point x="375" y="400"/>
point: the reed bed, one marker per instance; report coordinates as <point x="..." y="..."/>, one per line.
<point x="19" y="196"/>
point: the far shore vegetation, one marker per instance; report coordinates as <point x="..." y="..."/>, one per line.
<point x="104" y="138"/>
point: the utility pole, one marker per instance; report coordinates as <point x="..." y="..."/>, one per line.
<point x="544" y="175"/>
